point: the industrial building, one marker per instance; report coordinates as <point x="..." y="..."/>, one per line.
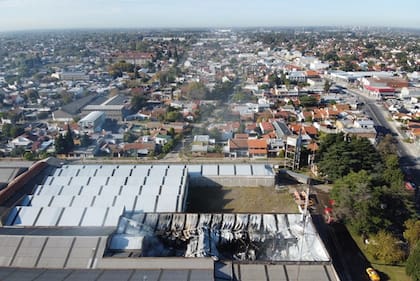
<point x="115" y="108"/>
<point x="93" y="122"/>
<point x="128" y="222"/>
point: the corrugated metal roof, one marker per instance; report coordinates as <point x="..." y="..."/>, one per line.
<point x="243" y="170"/>
<point x="226" y="170"/>
<point x="86" y="191"/>
<point x="210" y="170"/>
<point x="48" y="216"/>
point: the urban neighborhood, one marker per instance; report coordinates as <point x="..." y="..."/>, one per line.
<point x="210" y="154"/>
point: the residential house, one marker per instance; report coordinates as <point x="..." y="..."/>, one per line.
<point x="266" y="127"/>
<point x="138" y="149"/>
<point x="202" y="144"/>
<point x="21" y="142"/>
<point x="237" y="148"/>
<point x="257" y="148"/>
<point x="414" y="131"/>
<point x="162" y="139"/>
<point x="363" y="123"/>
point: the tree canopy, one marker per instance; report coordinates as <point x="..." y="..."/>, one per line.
<point x="222" y="91"/>
<point x="64" y="144"/>
<point x="308" y="100"/>
<point x="385" y="248"/>
<point x="412" y="232"/>
<point x="338" y="156"/>
<point x="195" y="91"/>
<point x="367" y="185"/>
<point x="138" y="101"/>
<point x="413" y="263"/>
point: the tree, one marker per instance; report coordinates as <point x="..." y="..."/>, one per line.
<point x="274" y="79"/>
<point x="12" y="131"/>
<point x="412" y="266"/>
<point x="171" y="132"/>
<point x="31" y="95"/>
<point x="222" y="91"/>
<point x="412" y="232"/>
<point x="215" y="134"/>
<point x="392" y="174"/>
<point x="173" y="116"/>
<point x="327" y="86"/>
<point x="64" y="144"/>
<point x="387" y="145"/>
<point x="129" y="137"/>
<point x="358" y="203"/>
<point x="243" y="97"/>
<point x="338" y="156"/>
<point x="85" y="140"/>
<point x="308" y="100"/>
<point x="29" y="156"/>
<point x="60" y="146"/>
<point x="168" y="146"/>
<point x="386" y="248"/>
<point x="195" y="91"/>
<point x="138" y="101"/>
<point x="68" y="140"/>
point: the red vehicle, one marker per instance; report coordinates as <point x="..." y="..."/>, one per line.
<point x="409" y="186"/>
<point x="329" y="215"/>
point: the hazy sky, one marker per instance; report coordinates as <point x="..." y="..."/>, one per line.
<point x="53" y="14"/>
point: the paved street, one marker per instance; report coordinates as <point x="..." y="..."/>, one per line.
<point x="409" y="153"/>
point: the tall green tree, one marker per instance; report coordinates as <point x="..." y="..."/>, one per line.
<point x="308" y="100"/>
<point x="412" y="232"/>
<point x="338" y="156"/>
<point x="387" y="145"/>
<point x="138" y="101"/>
<point x="68" y="140"/>
<point x="195" y="91"/>
<point x="358" y="202"/>
<point x="85" y="140"/>
<point x="222" y="91"/>
<point x="386" y="248"/>
<point x="412" y="266"/>
<point x="60" y="146"/>
<point x="327" y="86"/>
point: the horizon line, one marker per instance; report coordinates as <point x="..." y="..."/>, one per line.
<point x="180" y="28"/>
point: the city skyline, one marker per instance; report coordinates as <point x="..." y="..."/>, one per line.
<point x="68" y="14"/>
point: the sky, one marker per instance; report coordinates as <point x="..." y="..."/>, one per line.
<point x="65" y="14"/>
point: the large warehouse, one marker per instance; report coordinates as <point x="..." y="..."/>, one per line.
<point x="92" y="222"/>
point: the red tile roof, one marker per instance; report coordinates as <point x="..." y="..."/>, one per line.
<point x="257" y="146"/>
<point x="267" y="127"/>
<point x="241" y="136"/>
<point x="238" y="144"/>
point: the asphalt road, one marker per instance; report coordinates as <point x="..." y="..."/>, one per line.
<point x="409" y="158"/>
<point x="348" y="260"/>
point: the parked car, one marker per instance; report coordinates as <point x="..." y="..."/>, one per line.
<point x="373" y="275"/>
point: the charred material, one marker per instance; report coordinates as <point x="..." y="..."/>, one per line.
<point x="243" y="237"/>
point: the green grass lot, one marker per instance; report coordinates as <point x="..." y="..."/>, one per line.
<point x="239" y="200"/>
<point x="393" y="272"/>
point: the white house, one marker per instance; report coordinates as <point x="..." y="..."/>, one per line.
<point x="363" y="123"/>
<point x="20" y="142"/>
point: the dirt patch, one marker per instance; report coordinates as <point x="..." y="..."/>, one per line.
<point x="239" y="199"/>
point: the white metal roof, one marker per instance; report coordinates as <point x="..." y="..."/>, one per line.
<point x="226" y="170"/>
<point x="210" y="170"/>
<point x="243" y="170"/>
<point x="84" y="192"/>
<point x="71" y="216"/>
<point x="48" y="216"/>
